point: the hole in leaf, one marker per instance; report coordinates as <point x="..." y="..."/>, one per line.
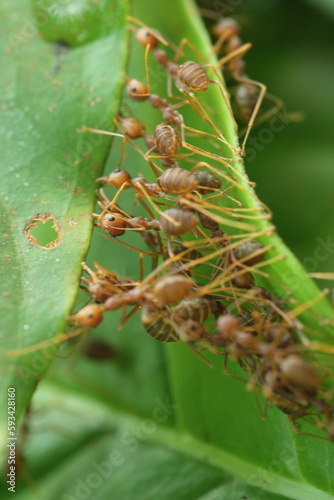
<point x="44" y="231"/>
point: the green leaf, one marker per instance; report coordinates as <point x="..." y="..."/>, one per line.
<point x="116" y="455"/>
<point x="214" y="443"/>
<point x="50" y="91"/>
<point x="113" y="454"/>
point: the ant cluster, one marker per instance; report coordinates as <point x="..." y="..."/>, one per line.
<point x="206" y="255"/>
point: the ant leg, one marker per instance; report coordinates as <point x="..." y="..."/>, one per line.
<point x="180" y="104"/>
<point x="151" y="214"/>
<point x="182" y="44"/>
<point x="123" y="146"/>
<point x="135" y="249"/>
<point x="106" y="132"/>
<point x="237" y="53"/>
<point x="275" y="110"/>
<point x="126" y="318"/>
<point x="143" y="25"/>
<point x="217" y="218"/>
<point x="101" y="132"/>
<point x="255" y="110"/>
<point x="153" y="205"/>
<point x="213" y="156"/>
<point x="45" y="343"/>
<point x="199" y="108"/>
<point x="112" y="203"/>
<point x="147" y="73"/>
<point x="295" y="428"/>
<point x="217" y="46"/>
<point x="221" y="194"/>
<point x="202" y="133"/>
<point x="236" y="212"/>
<point x="228" y="373"/>
<point x="219" y="173"/>
<point x="75" y="348"/>
<point x="148" y="157"/>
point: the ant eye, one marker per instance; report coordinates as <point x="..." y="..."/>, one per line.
<point x="117" y="170"/>
<point x="193" y="328"/>
<point x="90" y="315"/>
<point x="148" y="33"/>
<point x="111" y="218"/>
<point x="134" y="89"/>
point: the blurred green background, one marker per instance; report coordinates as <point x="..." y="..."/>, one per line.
<point x="293" y="54"/>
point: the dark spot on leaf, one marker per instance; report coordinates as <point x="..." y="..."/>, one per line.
<point x="60" y="47"/>
<point x="60" y="50"/>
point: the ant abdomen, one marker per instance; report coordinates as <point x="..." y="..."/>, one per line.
<point x="172" y="288"/>
<point x="188" y="254"/>
<point x="246" y="97"/>
<point x="167" y="139"/>
<point x="177" y="181"/>
<point x="249" y="252"/>
<point x="207" y="181"/>
<point x="289" y="407"/>
<point x="243" y="281"/>
<point x="192" y="77"/>
<point x="157" y="326"/>
<point x="197" y="309"/>
<point x="176" y="221"/>
<point x="278" y="335"/>
<point x="299" y="373"/>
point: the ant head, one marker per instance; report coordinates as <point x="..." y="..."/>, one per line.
<point x="227" y="326"/>
<point x="89" y="316"/>
<point x="226" y="28"/>
<point x="137" y="90"/>
<point x="113" y="223"/>
<point x="132" y="127"/>
<point x="192" y="331"/>
<point x="146" y="37"/>
<point x="118" y="177"/>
